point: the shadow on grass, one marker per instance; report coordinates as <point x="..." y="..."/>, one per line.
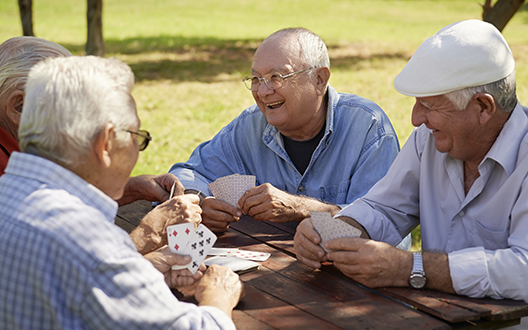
<point x="206" y="60"/>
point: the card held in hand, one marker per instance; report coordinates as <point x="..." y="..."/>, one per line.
<point x="330" y="228"/>
<point x="230" y="188"/>
<point x="197" y="246"/>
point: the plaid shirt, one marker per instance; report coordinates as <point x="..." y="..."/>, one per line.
<point x="65" y="265"/>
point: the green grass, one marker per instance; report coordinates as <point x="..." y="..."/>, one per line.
<point x="189" y="56"/>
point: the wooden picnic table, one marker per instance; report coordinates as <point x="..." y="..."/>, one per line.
<point x="285" y="294"/>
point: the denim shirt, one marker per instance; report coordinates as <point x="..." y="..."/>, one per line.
<point x="357" y="149"/>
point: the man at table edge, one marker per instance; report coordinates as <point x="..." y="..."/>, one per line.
<point x="64" y="263"/>
<point x="17" y="56"/>
<point x="462" y="175"/>
<point x="310" y="148"/>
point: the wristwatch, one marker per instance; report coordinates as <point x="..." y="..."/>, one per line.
<point x="417" y="279"/>
<point x="195" y="192"/>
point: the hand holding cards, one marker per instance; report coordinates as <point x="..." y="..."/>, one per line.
<point x="183" y="239"/>
<point x="330" y="228"/>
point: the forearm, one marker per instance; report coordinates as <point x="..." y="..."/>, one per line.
<point x="303" y="206"/>
<point x="436" y="267"/>
<point x="130" y="194"/>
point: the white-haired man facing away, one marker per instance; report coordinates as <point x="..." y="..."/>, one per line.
<point x="63" y="263"/>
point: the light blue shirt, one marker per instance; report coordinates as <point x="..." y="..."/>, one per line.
<point x="65" y="265"/>
<point x="484" y="233"/>
<point x="357" y="149"/>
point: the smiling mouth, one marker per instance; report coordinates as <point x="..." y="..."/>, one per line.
<point x="275" y="105"/>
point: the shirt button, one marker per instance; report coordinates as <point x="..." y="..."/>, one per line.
<point x="461" y="213"/>
<point x="301" y="189"/>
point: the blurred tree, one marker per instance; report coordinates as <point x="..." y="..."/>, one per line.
<point x="95" y="43"/>
<point x="501" y="12"/>
<point x="26" y="15"/>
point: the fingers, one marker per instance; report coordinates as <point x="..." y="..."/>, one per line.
<point x="183" y="277"/>
<point x="218" y="215"/>
<point x="345" y="244"/>
<point x="306" y="246"/>
<point x="167" y="180"/>
<point x="222" y="282"/>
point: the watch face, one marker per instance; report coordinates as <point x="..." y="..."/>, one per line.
<point x="417" y="281"/>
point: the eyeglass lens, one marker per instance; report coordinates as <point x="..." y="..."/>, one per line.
<point x="143" y="139"/>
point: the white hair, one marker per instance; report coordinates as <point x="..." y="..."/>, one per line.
<point x="17" y="57"/>
<point x="70" y="100"/>
<point x="502" y="91"/>
<point x="312" y="49"/>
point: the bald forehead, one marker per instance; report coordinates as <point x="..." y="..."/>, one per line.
<point x="277" y="52"/>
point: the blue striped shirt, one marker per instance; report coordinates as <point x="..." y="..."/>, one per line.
<point x="65" y="265"/>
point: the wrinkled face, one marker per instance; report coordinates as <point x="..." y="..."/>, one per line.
<point x="455" y="131"/>
<point x="294" y="105"/>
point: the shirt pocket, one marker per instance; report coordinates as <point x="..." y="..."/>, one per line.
<point x="335" y="194"/>
<point x="490" y="239"/>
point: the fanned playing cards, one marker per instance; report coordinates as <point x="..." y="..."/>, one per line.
<point x="183" y="239"/>
<point x="330" y="228"/>
<point x="230" y="188"/>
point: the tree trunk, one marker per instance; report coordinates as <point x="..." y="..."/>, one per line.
<point x="95" y="42"/>
<point x="26" y="15"/>
<point x="501" y="13"/>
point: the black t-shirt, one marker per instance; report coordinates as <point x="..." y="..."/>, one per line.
<point x="300" y="152"/>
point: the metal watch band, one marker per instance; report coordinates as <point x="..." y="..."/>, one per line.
<point x="417" y="263"/>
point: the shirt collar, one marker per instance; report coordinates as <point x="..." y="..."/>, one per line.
<point x="506" y="147"/>
<point x="45" y="171"/>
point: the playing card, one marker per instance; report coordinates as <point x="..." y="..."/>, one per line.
<point x="330" y="228"/>
<point x="199" y="246"/>
<point x="183" y="239"/>
<point x="249" y="255"/>
<point x="230" y="188"/>
<point x="239" y="266"/>
<point x="179" y="235"/>
<point x="221" y="251"/>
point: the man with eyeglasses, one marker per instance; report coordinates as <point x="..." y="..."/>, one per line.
<point x="17" y="56"/>
<point x="310" y="148"/>
<point x="64" y="263"/>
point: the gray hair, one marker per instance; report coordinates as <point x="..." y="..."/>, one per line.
<point x="312" y="49"/>
<point x="18" y="55"/>
<point x="502" y="91"/>
<point x="70" y="100"/>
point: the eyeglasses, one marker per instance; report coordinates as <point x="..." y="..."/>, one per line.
<point x="143" y="138"/>
<point x="272" y="80"/>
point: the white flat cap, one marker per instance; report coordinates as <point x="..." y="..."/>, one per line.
<point x="464" y="54"/>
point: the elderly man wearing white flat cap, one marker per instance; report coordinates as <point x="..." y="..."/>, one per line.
<point x="462" y="176"/>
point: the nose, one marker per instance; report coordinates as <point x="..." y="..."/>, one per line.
<point x="419" y="114"/>
<point x="264" y="89"/>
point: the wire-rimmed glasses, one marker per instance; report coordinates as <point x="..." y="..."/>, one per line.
<point x="272" y="80"/>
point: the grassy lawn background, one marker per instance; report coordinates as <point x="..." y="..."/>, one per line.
<point x="189" y="56"/>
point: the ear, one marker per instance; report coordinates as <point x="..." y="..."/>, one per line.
<point x="486" y="105"/>
<point x="103" y="145"/>
<point x="15" y="102"/>
<point x="323" y="75"/>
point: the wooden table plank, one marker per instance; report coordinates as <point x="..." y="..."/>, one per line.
<point x="455" y="308"/>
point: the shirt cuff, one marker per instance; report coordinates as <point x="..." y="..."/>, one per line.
<point x="469" y="272"/>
